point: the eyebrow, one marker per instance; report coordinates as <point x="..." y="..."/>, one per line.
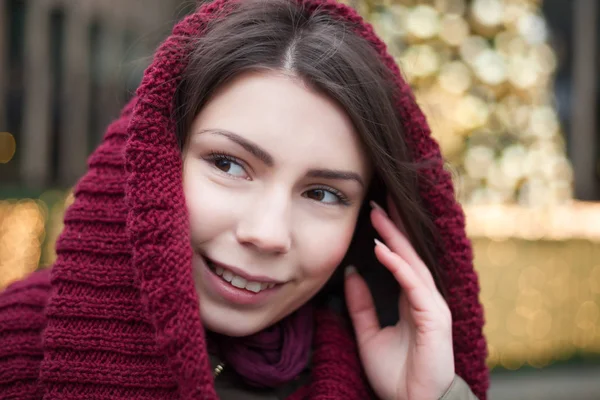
<point x="336" y="175"/>
<point x="250" y="147"/>
<point x="266" y="158"/>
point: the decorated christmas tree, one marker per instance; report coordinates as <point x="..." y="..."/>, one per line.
<point x="482" y="70"/>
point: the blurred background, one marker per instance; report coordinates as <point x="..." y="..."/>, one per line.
<point x="510" y="88"/>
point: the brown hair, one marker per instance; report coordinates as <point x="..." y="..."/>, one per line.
<point x="281" y="35"/>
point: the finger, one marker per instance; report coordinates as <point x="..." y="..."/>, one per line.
<point x="400" y="245"/>
<point x="417" y="292"/>
<point x="360" y="306"/>
<point x="395" y="215"/>
<point x="397" y="220"/>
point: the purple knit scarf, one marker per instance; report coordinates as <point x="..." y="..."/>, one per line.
<point x="273" y="356"/>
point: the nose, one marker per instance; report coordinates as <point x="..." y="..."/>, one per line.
<point x="265" y="225"/>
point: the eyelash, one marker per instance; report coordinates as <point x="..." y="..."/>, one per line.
<point x="215" y="156"/>
<point x="341" y="196"/>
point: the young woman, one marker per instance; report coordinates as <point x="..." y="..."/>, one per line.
<point x="230" y="241"/>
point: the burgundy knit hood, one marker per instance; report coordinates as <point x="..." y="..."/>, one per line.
<point x="123" y="319"/>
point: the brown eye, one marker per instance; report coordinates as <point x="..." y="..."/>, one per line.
<point x="223" y="165"/>
<point x="317" y="194"/>
<point x="228" y="164"/>
<point x="326" y="196"/>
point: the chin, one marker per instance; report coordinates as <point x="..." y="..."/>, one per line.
<point x="232" y="323"/>
<point x="230" y="330"/>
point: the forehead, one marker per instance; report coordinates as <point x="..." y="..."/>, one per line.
<point x="293" y="122"/>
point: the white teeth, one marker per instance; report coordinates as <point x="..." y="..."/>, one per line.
<point x="239" y="282"/>
<point x="228" y="275"/>
<point x="254" y="286"/>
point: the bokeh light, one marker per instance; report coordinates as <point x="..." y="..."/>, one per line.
<point x="8" y="147"/>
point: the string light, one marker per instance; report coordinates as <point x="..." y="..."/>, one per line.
<point x="542" y="298"/>
<point x="491" y="59"/>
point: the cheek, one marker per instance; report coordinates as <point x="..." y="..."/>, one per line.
<point x="325" y="250"/>
<point x="207" y="212"/>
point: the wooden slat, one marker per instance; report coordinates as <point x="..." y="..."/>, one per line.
<point x="583" y="127"/>
<point x="74" y="97"/>
<point x="3" y="64"/>
<point x="35" y="158"/>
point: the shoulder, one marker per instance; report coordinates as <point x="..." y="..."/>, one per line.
<point x="22" y="319"/>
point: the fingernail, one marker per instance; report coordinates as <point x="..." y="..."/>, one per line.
<point x="350" y="269"/>
<point x="378" y="243"/>
<point x="376" y="206"/>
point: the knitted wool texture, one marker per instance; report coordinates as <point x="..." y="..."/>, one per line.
<point x="121" y="319"/>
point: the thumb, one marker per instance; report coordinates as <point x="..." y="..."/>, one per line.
<point x="360" y="306"/>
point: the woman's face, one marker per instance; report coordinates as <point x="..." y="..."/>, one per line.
<point x="274" y="177"/>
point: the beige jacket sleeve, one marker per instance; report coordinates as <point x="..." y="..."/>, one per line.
<point x="458" y="390"/>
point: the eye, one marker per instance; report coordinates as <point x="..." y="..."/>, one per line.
<point x="326" y="196"/>
<point x="227" y="164"/>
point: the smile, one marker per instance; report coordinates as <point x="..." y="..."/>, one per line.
<point x="238" y="281"/>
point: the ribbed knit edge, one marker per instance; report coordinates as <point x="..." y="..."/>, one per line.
<point x="22" y="320"/>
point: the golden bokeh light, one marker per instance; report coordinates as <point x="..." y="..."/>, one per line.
<point x="8" y="147"/>
<point x="492" y="60"/>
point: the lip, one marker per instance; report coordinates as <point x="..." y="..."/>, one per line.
<point x="246" y="276"/>
<point x="219" y="288"/>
